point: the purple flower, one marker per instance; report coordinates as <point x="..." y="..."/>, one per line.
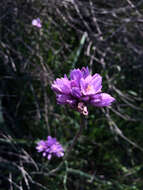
<point x="80" y="90"/>
<point x="37" y="22"/>
<point x="50" y="147"/>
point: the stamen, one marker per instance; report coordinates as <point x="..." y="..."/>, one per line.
<point x="88" y="88"/>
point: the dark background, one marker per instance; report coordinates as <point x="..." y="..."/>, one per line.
<point x="106" y="36"/>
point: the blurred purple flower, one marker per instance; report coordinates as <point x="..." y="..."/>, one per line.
<point x="80" y="90"/>
<point x="50" y="147"/>
<point x="37" y="22"/>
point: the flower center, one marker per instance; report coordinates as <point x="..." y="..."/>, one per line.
<point x="88" y="88"/>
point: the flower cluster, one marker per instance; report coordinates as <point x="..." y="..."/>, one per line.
<point x="80" y="90"/>
<point x="50" y="147"/>
<point x="37" y="22"/>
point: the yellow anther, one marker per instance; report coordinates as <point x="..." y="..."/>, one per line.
<point x="88" y="88"/>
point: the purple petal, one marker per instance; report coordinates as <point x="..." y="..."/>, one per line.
<point x="86" y="88"/>
<point x="101" y="100"/>
<point x="60" y="154"/>
<point x="62" y="99"/>
<point x="62" y="85"/>
<point x="76" y="75"/>
<point x="74" y="84"/>
<point x="96" y="83"/>
<point x="65" y="99"/>
<point x="83" y="86"/>
<point x="91" y="85"/>
<point x="76" y="92"/>
<point x="50" y="141"/>
<point x="85" y="98"/>
<point x="40" y="146"/>
<point x="85" y="72"/>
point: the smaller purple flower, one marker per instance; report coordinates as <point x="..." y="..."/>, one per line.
<point x="37" y="22"/>
<point x="50" y="147"/>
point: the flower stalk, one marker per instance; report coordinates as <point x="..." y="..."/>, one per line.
<point x="79" y="132"/>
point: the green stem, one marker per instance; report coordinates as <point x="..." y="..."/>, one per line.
<point x="82" y="124"/>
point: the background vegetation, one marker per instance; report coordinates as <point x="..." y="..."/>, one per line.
<point x="107" y="37"/>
